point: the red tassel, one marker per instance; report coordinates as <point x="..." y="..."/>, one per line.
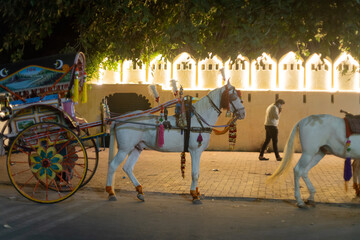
<point x="161" y="136"/>
<point x="199" y="139"/>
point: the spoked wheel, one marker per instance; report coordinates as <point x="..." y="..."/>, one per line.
<point x="92" y="152"/>
<point x="47" y="162"/>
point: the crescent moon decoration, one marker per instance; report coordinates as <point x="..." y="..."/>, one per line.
<point x="3" y="72"/>
<point x="58" y="64"/>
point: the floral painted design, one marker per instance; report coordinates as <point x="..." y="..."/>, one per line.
<point x="45" y="163"/>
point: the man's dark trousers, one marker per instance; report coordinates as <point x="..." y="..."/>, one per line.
<point x="271" y="134"/>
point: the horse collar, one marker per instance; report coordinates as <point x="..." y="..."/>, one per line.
<point x="213" y="105"/>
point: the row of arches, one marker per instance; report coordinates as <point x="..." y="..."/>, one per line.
<point x="264" y="73"/>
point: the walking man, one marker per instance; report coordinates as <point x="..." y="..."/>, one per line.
<point x="271" y="122"/>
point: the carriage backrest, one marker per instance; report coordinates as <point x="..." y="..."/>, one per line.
<point x="36" y="77"/>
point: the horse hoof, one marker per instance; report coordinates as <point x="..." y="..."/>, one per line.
<point x="196" y="201"/>
<point x="302" y="205"/>
<point x="112" y="198"/>
<point x="141" y="197"/>
<point x="310" y="203"/>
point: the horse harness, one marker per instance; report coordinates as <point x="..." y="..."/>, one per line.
<point x="189" y="111"/>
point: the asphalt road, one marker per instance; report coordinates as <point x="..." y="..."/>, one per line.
<point x="88" y="215"/>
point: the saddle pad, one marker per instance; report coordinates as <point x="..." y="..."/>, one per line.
<point x="354" y="124"/>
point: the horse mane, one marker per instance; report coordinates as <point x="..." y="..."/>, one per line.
<point x="203" y="103"/>
<point x="224" y="103"/>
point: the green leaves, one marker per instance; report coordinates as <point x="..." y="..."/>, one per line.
<point x="138" y="30"/>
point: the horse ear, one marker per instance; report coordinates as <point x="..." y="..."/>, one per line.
<point x="228" y="82"/>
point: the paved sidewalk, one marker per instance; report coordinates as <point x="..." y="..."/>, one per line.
<point x="223" y="174"/>
<point x="228" y="174"/>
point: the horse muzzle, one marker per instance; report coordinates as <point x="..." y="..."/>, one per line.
<point x="240" y="113"/>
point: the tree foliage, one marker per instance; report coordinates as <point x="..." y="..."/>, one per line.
<point x="140" y="29"/>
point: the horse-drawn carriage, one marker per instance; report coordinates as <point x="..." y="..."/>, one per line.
<point x="50" y="153"/>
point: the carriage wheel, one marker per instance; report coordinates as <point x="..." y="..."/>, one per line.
<point x="92" y="152"/>
<point x="47" y="162"/>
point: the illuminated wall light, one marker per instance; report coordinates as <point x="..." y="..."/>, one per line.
<point x="239" y="72"/>
<point x="346" y="75"/>
<point x="133" y="73"/>
<point x="209" y="76"/>
<point x="263" y="77"/>
<point x="160" y="72"/>
<point x="126" y="66"/>
<point x="184" y="71"/>
<point x="118" y="74"/>
<point x="291" y="72"/>
<point x="101" y="73"/>
<point x="318" y="73"/>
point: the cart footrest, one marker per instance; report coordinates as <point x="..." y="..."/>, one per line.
<point x="35" y="99"/>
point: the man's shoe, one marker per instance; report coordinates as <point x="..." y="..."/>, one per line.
<point x="279" y="158"/>
<point x="261" y="158"/>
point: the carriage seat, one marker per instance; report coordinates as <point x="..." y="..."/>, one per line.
<point x="69" y="108"/>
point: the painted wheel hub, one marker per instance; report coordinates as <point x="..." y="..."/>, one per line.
<point x="45" y="163"/>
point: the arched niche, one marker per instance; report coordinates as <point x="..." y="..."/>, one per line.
<point x="346" y="75"/>
<point x="291" y="72"/>
<point x="160" y="71"/>
<point x="134" y="72"/>
<point x="184" y="70"/>
<point x="238" y="71"/>
<point x="209" y="75"/>
<point x="318" y="73"/>
<point x="263" y="73"/>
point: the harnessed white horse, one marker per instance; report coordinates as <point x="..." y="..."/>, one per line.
<point x="356" y="176"/>
<point x="133" y="138"/>
<point x="319" y="135"/>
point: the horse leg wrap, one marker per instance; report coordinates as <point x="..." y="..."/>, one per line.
<point x="195" y="194"/>
<point x="139" y="189"/>
<point x="357" y="189"/>
<point x="110" y="191"/>
<point x="197" y="191"/>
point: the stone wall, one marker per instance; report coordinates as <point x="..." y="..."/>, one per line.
<point x="250" y="131"/>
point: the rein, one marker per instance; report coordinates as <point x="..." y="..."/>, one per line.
<point x="192" y="129"/>
<point x="213" y="105"/>
<point x="125" y="117"/>
<point x="212" y="126"/>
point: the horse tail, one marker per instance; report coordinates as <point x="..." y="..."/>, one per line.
<point x="112" y="142"/>
<point x="289" y="152"/>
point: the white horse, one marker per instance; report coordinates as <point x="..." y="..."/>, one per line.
<point x="319" y="135"/>
<point x="356" y="176"/>
<point x="133" y="138"/>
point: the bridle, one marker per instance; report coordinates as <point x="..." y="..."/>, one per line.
<point x="214" y="105"/>
<point x="232" y="97"/>
<point x="230" y="100"/>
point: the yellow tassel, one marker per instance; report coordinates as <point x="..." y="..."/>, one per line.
<point x="76" y="90"/>
<point x="84" y="93"/>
